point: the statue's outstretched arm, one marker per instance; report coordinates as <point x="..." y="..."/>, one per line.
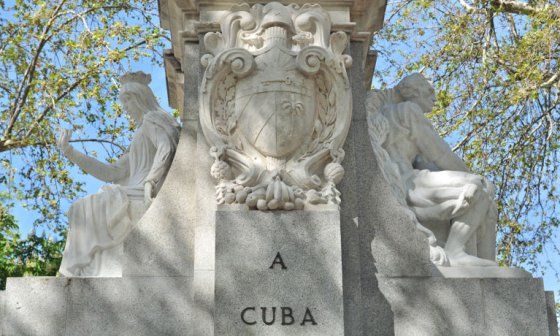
<point x="102" y="171"/>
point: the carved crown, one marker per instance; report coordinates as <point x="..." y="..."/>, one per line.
<point x="136" y="77"/>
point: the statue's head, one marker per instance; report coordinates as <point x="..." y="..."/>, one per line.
<point x="136" y="96"/>
<point x="417" y="89"/>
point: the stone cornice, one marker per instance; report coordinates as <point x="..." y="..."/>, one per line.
<point x="187" y="20"/>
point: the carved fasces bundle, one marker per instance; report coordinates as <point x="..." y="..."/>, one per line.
<point x="276" y="106"/>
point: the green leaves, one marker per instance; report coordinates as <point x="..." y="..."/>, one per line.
<point x="34" y="255"/>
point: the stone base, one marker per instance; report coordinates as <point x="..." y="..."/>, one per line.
<point x="416" y="306"/>
<point x="278" y="273"/>
<point x="49" y="306"/>
<point x="479" y="307"/>
<point x="480" y="272"/>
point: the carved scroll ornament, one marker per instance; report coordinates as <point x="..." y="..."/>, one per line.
<point x="276" y="106"/>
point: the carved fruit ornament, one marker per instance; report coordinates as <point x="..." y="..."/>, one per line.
<point x="276" y="106"/>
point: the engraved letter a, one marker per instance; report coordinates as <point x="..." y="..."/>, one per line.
<point x="278" y="260"/>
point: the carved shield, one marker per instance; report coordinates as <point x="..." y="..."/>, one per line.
<point x="276" y="113"/>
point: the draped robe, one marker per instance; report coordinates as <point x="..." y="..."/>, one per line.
<point x="99" y="223"/>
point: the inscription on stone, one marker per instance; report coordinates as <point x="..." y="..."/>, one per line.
<point x="250" y="315"/>
<point x="278" y="261"/>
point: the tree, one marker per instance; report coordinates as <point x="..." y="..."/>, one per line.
<point x="34" y="255"/>
<point x="59" y="63"/>
<point x="495" y="65"/>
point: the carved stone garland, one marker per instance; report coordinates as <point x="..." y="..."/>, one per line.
<point x="276" y="106"/>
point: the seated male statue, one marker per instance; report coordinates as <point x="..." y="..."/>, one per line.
<point x="99" y="223"/>
<point x="429" y="178"/>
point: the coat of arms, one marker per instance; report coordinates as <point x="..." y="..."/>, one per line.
<point x="276" y="106"/>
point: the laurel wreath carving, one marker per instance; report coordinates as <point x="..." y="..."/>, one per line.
<point x="224" y="118"/>
<point x="324" y="126"/>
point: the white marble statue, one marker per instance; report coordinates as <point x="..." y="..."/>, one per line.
<point x="429" y="178"/>
<point x="276" y="106"/>
<point x="99" y="223"/>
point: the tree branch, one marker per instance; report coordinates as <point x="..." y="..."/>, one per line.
<point x="49" y="108"/>
<point x="470" y="8"/>
<point x="551" y="81"/>
<point x="25" y="86"/>
<point x="5" y="88"/>
<point x="518" y="7"/>
<point x="112" y="143"/>
<point x="10" y="144"/>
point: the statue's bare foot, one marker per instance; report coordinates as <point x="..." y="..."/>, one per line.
<point x="463" y="259"/>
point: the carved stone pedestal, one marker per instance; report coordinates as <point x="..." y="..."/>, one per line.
<point x="278" y="273"/>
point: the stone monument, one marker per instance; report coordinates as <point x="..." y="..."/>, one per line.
<point x="298" y="202"/>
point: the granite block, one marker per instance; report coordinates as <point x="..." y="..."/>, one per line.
<point x="162" y="243"/>
<point x="204" y="247"/>
<point x="36" y="306"/>
<point x="129" y="306"/>
<point x="451" y="306"/>
<point x="191" y="68"/>
<point x="514" y="307"/>
<point x="480" y="272"/>
<point x="278" y="265"/>
<point x="433" y="306"/>
<point x="204" y="299"/>
<point x="551" y="312"/>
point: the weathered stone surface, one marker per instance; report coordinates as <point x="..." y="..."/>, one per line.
<point x="162" y="242"/>
<point x="204" y="262"/>
<point x="551" y="311"/>
<point x="130" y="306"/>
<point x="434" y="306"/>
<point x="514" y="307"/>
<point x="36" y="306"/>
<point x="138" y="306"/>
<point x="248" y="244"/>
<point x="191" y="66"/>
<point x="482" y="307"/>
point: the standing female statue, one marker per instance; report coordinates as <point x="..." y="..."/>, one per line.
<point x="99" y="223"/>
